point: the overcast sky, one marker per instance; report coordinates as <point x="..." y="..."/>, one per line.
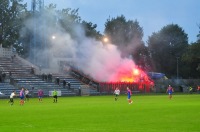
<point x="152" y="15"/>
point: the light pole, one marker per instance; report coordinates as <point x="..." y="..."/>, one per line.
<point x="177" y="67"/>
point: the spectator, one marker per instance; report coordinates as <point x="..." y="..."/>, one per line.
<point x="10" y="74"/>
<point x="43" y="77"/>
<point x="32" y="92"/>
<point x="49" y="77"/>
<point x="3" y="77"/>
<point x="57" y="80"/>
<point x="64" y="83"/>
<point x="79" y="91"/>
<point x="69" y="85"/>
<point x="32" y="70"/>
<point x="1" y="71"/>
<point x="12" y="58"/>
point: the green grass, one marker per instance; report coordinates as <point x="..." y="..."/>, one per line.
<point x="153" y="113"/>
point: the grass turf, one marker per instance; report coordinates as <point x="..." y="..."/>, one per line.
<point x="153" y="113"/>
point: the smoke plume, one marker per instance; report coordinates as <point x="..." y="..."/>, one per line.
<point x="96" y="59"/>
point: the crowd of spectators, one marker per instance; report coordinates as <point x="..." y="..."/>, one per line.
<point x="47" y="77"/>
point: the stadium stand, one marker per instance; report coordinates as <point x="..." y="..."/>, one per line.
<point x="17" y="75"/>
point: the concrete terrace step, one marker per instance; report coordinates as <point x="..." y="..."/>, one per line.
<point x="30" y="76"/>
<point x="6" y="88"/>
<point x="21" y="77"/>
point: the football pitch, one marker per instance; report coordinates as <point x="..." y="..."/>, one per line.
<point x="147" y="113"/>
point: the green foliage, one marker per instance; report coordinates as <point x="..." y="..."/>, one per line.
<point x="90" y="30"/>
<point x="198" y="35"/>
<point x="68" y="19"/>
<point x="192" y="58"/>
<point x="122" y="32"/>
<point x="192" y="53"/>
<point x="165" y="47"/>
<point x="101" y="113"/>
<point x="11" y="22"/>
<point x="127" y="35"/>
<point x="161" y="54"/>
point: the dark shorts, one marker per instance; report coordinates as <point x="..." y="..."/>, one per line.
<point x="11" y="100"/>
<point x="21" y="97"/>
<point x="55" y="96"/>
<point x="116" y="95"/>
<point x="27" y="96"/>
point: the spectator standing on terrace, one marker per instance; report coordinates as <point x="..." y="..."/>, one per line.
<point x="12" y="57"/>
<point x="129" y="93"/>
<point x="11" y="101"/>
<point x="170" y="90"/>
<point x="69" y="85"/>
<point x="49" y="77"/>
<point x="116" y="92"/>
<point x="64" y="83"/>
<point x="43" y="77"/>
<point x="3" y="77"/>
<point x="27" y="95"/>
<point x="32" y="91"/>
<point x="21" y="96"/>
<point x="32" y="70"/>
<point x="55" y="96"/>
<point x="57" y="80"/>
<point x="79" y="91"/>
<point x="10" y="74"/>
<point x="40" y="95"/>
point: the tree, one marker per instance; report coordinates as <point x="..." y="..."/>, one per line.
<point x="192" y="59"/>
<point x="10" y="22"/>
<point x="69" y="19"/>
<point x="122" y="32"/>
<point x="198" y="35"/>
<point x="90" y="30"/>
<point x="127" y="35"/>
<point x="166" y="48"/>
<point x="25" y="35"/>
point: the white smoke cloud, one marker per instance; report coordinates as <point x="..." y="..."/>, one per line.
<point x="100" y="61"/>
